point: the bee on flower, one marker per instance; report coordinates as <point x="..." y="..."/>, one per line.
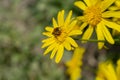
<point x="59" y="36"/>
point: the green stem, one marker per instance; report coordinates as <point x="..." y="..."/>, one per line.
<point x="95" y="40"/>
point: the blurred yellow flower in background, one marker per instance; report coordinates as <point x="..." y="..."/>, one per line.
<point x="107" y="71"/>
<point x="59" y="36"/>
<point x="96" y="17"/>
<point x="73" y="66"/>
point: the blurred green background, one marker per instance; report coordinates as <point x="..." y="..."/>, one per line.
<point x="21" y="57"/>
<point x="21" y="25"/>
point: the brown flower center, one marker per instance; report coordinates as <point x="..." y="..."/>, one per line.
<point x="57" y="31"/>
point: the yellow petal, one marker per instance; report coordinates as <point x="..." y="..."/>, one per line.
<point x="55" y="23"/>
<point x="88" y="2"/>
<point x="73" y="65"/>
<point x="60" y="18"/>
<point x="117" y="3"/>
<point x="50" y="29"/>
<point x="47" y="43"/>
<point x="75" y="32"/>
<point x="118" y="69"/>
<point x="100" y="35"/>
<point x="99" y="78"/>
<point x="50" y="48"/>
<point x="67" y="45"/>
<point x="68" y="19"/>
<point x="78" y="53"/>
<point x="59" y="54"/>
<point x="48" y="39"/>
<point x="108" y="14"/>
<point x="107" y="34"/>
<point x="94" y="2"/>
<point x="80" y="5"/>
<point x="54" y="52"/>
<point x="72" y="42"/>
<point x="106" y="3"/>
<point x="83" y="26"/>
<point x="112" y="25"/>
<point x="111" y="71"/>
<point x="113" y="8"/>
<point x="107" y="71"/>
<point x="72" y="24"/>
<point x="87" y="34"/>
<point x="47" y="34"/>
<point x="82" y="18"/>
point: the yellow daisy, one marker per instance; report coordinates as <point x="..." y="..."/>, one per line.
<point x="59" y="36"/>
<point x="73" y="66"/>
<point x="107" y="71"/>
<point x="96" y="16"/>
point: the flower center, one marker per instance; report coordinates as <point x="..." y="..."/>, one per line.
<point x="59" y="34"/>
<point x="57" y="31"/>
<point x="93" y="15"/>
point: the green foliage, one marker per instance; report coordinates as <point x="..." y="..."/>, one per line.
<point x="21" y="25"/>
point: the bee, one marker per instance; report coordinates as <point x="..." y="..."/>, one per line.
<point x="57" y="32"/>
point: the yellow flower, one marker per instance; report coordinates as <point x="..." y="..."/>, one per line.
<point x="73" y="66"/>
<point x="96" y="17"/>
<point x="106" y="71"/>
<point x="59" y="36"/>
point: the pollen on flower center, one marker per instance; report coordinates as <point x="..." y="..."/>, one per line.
<point x="93" y="15"/>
